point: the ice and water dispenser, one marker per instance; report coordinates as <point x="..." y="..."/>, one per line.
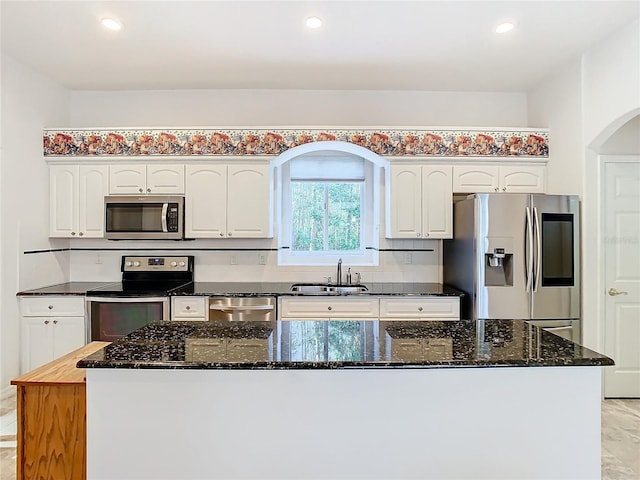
<point x="498" y="264"/>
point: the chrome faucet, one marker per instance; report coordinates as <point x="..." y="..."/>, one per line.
<point x="339" y="280"/>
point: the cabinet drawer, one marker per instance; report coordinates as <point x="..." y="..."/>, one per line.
<point x="61" y="306"/>
<point x="195" y="307"/>
<point x="329" y="308"/>
<point x="424" y="307"/>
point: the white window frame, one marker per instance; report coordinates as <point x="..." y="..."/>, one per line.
<point x="370" y="213"/>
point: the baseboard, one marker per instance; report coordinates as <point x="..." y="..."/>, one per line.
<point x="7" y="392"/>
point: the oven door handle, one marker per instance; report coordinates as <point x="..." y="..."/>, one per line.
<point x="127" y="299"/>
<point x="165" y="209"/>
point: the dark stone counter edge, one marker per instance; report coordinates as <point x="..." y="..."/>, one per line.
<point x="146" y="365"/>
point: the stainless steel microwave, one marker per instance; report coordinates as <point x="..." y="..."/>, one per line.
<point x="144" y="217"/>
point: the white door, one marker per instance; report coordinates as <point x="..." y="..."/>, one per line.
<point x="63" y="201"/>
<point x="206" y="201"/>
<point x="127" y="179"/>
<point x="621" y="245"/>
<point x="165" y="179"/>
<point x="437" y="202"/>
<point x="405" y="206"/>
<point x="476" y="179"/>
<point x="93" y="186"/>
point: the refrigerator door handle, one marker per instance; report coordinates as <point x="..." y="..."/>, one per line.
<point x="536" y="221"/>
<point x="529" y="249"/>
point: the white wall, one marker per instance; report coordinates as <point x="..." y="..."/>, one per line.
<point x="557" y="104"/>
<point x="29" y="103"/>
<point x="238" y="108"/>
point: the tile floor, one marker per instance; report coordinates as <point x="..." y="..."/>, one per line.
<point x="620" y="439"/>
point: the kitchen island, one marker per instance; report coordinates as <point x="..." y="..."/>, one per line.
<point x="343" y="399"/>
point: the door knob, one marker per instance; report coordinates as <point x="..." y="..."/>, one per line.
<point x="613" y="292"/>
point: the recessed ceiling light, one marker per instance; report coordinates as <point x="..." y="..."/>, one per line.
<point x="111" y="23"/>
<point x="505" y="27"/>
<point x="313" y="22"/>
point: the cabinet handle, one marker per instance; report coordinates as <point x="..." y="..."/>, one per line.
<point x="81" y="234"/>
<point x="496" y="189"/>
<point x="140" y="190"/>
<point x="504" y="189"/>
<point x="148" y="190"/>
<point x="73" y="234"/>
<point x="50" y="307"/>
<point x="221" y="234"/>
<point x="426" y="234"/>
<point x="419" y="309"/>
<point x="329" y="308"/>
<point x="46" y="322"/>
<point x="229" y="234"/>
<point x="55" y="322"/>
<point x="188" y="307"/>
<point x="418" y="234"/>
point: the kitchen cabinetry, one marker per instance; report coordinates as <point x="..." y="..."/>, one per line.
<point x="423" y="308"/>
<point x="148" y="179"/>
<point x="420" y="202"/>
<point x="51" y="326"/>
<point x="491" y="179"/>
<point x="226" y="349"/>
<point x="194" y="308"/>
<point x="228" y="201"/>
<point x="76" y="200"/>
<point x="419" y="349"/>
<point x="329" y="308"/>
<point x="51" y="411"/>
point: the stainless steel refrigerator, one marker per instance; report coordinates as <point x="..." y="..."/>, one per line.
<point x="516" y="256"/>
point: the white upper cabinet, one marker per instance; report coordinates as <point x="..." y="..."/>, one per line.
<point x="77" y="200"/>
<point x="491" y="179"/>
<point x="146" y="179"/>
<point x="419" y="202"/>
<point x="229" y="201"/>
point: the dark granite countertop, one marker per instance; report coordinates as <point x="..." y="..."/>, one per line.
<point x="341" y="344"/>
<point x="244" y="289"/>
<point x="68" y="288"/>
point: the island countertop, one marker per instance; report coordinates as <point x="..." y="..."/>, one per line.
<point x="341" y="344"/>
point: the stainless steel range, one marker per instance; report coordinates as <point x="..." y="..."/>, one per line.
<point x="141" y="297"/>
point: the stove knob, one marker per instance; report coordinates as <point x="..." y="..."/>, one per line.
<point x="136" y="263"/>
<point x="128" y="264"/>
<point x="174" y="264"/>
<point x="182" y="264"/>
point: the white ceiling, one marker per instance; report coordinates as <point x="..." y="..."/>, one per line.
<point x="364" y="45"/>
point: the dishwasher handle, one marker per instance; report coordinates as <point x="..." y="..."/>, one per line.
<point x="240" y="308"/>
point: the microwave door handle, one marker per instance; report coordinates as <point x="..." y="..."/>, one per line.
<point x="529" y="249"/>
<point x="165" y="209"/>
<point x="536" y="221"/>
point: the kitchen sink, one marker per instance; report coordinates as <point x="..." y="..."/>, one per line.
<point x="321" y="289"/>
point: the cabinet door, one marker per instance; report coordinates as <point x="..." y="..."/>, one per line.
<point x="404" y="212"/>
<point x="338" y="308"/>
<point x="249" y="201"/>
<point x="63" y="201"/>
<point x="189" y="307"/>
<point x="127" y="179"/>
<point x="165" y="179"/>
<point x="206" y="201"/>
<point x="69" y="333"/>
<point x="37" y="347"/>
<point x="523" y="179"/>
<point x="475" y="179"/>
<point x="247" y="350"/>
<point x="437" y="202"/>
<point x="93" y="186"/>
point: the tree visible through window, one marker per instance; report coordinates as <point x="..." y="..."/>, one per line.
<point x="325" y="216"/>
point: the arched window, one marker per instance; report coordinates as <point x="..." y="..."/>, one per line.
<point x="328" y="204"/>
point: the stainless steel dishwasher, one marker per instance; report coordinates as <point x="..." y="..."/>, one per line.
<point x="253" y="309"/>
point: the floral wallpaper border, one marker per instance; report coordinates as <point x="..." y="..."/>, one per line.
<point x="231" y="142"/>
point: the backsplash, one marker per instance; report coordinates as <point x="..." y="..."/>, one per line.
<point x="399" y="261"/>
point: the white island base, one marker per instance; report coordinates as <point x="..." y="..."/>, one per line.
<point x="450" y="423"/>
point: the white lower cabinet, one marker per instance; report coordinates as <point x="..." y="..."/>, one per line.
<point x="194" y="307"/>
<point x="52" y="326"/>
<point x="328" y="308"/>
<point x="422" y="308"/>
